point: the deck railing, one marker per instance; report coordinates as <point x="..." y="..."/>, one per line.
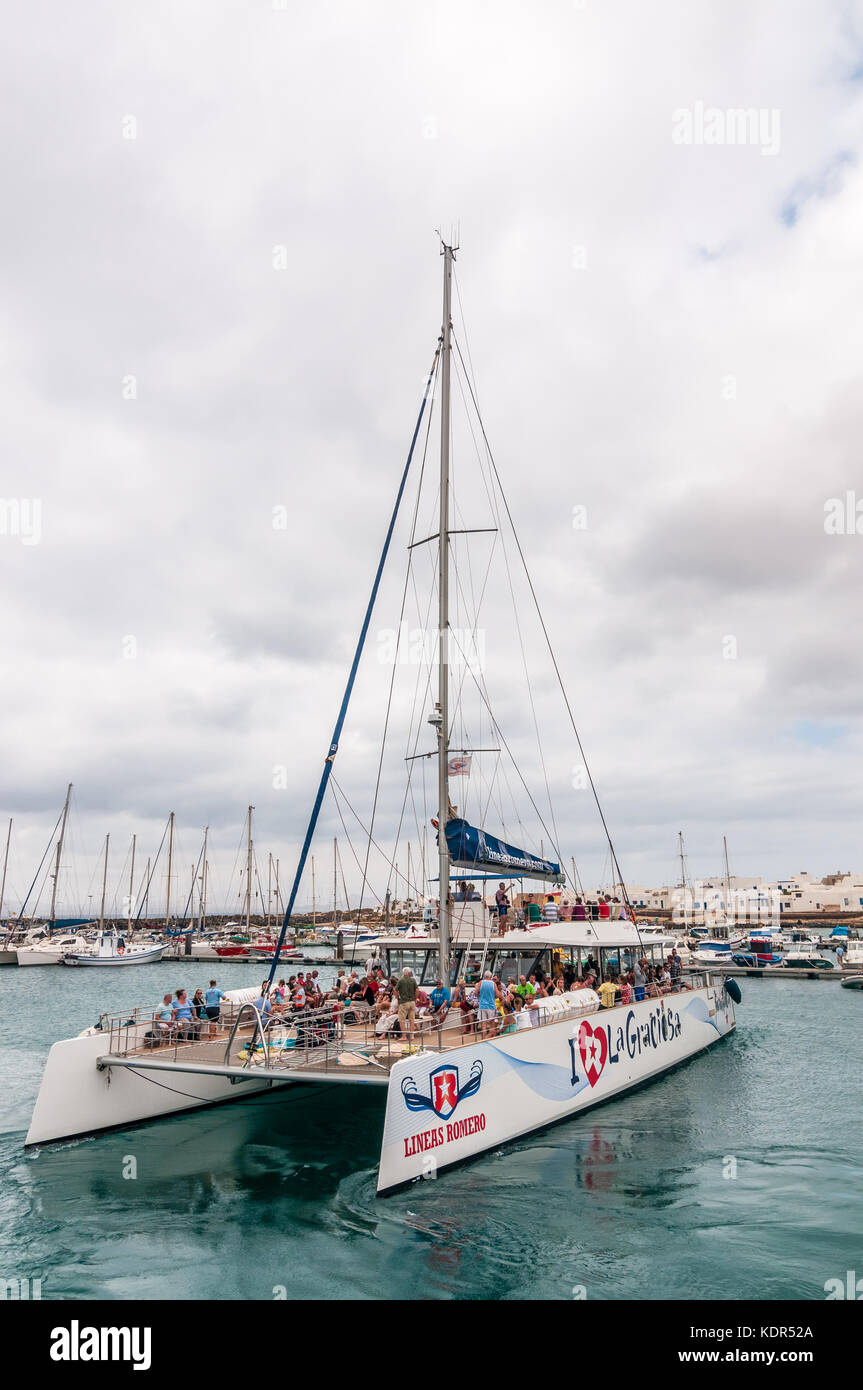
<point x="286" y="1039"/>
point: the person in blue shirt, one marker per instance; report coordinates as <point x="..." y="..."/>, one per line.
<point x="213" y="998"/>
<point x="486" y="1012"/>
<point x="164" y="1016"/>
<point x="439" y="1000"/>
<point x="184" y="1013"/>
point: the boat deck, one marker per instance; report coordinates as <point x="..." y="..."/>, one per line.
<point x="316" y="1043"/>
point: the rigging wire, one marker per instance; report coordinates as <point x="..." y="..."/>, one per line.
<point x="548" y="643"/>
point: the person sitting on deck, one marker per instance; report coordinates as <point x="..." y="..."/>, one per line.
<point x="579" y="911"/>
<point x="383" y="999"/>
<point x="439" y="1000"/>
<point x="461" y="1002"/>
<point x="521" y="1016"/>
<point x="626" y="988"/>
<point x="608" y="992"/>
<point x="604" y="908"/>
<point x="361" y="1004"/>
<point x="388" y="1019"/>
<point x="461" y="894"/>
<point x="165" y="1017"/>
<point x="549" y="909"/>
<point x="184" y="1014"/>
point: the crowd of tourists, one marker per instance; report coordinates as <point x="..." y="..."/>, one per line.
<point x="483" y="1005"/>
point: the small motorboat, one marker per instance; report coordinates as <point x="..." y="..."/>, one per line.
<point x="852" y="982"/>
<point x="803" y="960"/>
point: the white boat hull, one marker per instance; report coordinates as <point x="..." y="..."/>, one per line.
<point x="75" y="1098"/>
<point x="527" y="1080"/>
<point x="131" y="957"/>
<point x="36" y="957"/>
<point x="511" y="1085"/>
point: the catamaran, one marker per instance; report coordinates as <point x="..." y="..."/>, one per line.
<point x="454" y="1084"/>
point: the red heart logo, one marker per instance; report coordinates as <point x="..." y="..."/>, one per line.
<point x="593" y="1046"/>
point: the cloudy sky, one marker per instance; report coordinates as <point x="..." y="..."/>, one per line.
<point x="221" y="293"/>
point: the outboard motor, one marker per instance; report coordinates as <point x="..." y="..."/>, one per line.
<point x="732" y="989"/>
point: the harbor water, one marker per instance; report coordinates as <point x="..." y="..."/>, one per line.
<point x="738" y="1176"/>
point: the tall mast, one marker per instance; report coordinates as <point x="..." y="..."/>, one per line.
<point x="314" y="903"/>
<point x="442" y="713"/>
<point x="249" y="871"/>
<point x="335" y="884"/>
<point x="201" y="881"/>
<point x="104" y="883"/>
<point x="59" y="852"/>
<point x="202" y="923"/>
<point x="5" y="865"/>
<point x="269" y="886"/>
<point x="170" y="861"/>
<point x="131" y="887"/>
<point x="727" y="875"/>
<point x="147" y="888"/>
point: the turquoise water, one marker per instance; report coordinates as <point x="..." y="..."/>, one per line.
<point x="629" y="1201"/>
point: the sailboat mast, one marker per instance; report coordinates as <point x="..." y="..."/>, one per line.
<point x="59" y="852"/>
<point x="314" y="900"/>
<point x="104" y="884"/>
<point x="5" y="866"/>
<point x="443" y="623"/>
<point x="202" y="920"/>
<point x="131" y="887"/>
<point x="335" y="884"/>
<point x="170" y="862"/>
<point x="249" y="872"/>
<point x="727" y="875"/>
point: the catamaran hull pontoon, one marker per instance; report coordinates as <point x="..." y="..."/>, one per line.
<point x="442" y="1106"/>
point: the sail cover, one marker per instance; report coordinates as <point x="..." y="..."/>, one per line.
<point x="469" y="848"/>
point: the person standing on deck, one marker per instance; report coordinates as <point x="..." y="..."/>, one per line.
<point x="639" y="974"/>
<point x="212" y="1000"/>
<point x="407" y="992"/>
<point x="487" y="997"/>
<point x="502" y="904"/>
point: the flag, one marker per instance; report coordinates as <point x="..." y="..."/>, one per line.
<point x="460" y="766"/>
